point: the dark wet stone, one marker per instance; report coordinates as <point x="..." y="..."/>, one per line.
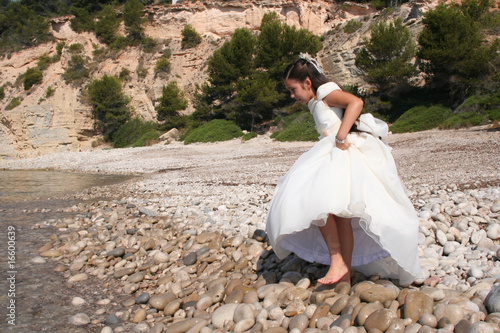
<point x="492" y="301"/>
<point x="128" y="255"/>
<point x="259" y="235"/>
<point x="131" y="231"/>
<point x="203" y="250"/>
<point x="122" y="272"/>
<point x="294" y="265"/>
<point x="112" y="320"/>
<point x="130" y="206"/>
<point x="190" y="259"/>
<point x="119" y="252"/>
<point x="270" y="277"/>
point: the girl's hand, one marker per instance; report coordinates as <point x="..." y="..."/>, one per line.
<point x="342" y="146"/>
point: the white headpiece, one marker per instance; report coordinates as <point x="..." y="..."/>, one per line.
<point x="307" y="57"/>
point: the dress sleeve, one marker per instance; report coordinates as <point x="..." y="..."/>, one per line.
<point x="325" y="89"/>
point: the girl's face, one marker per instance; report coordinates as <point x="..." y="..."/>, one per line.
<point x="301" y="91"/>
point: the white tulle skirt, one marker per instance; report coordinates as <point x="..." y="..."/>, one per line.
<point x="360" y="183"/>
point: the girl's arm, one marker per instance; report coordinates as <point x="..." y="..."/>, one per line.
<point x="353" y="107"/>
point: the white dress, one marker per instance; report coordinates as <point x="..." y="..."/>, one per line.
<point x="361" y="183"/>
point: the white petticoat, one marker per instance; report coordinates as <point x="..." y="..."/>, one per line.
<point x="361" y="183"/>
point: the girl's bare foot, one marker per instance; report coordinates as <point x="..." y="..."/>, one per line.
<point x="335" y="275"/>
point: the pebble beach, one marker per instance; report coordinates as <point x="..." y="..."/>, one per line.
<point x="182" y="247"/>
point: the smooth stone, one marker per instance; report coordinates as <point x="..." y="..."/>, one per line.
<point x="475" y="272"/>
<point x="51" y="253"/>
<point x="451" y="311"/>
<point x="366" y="311"/>
<point x="119" y="252"/>
<point x="462" y="326"/>
<point x="299" y="322"/>
<point x="206" y="237"/>
<point x="148" y="212"/>
<point x="243" y="311"/>
<point x="295" y="265"/>
<point x="157" y="328"/>
<point x="161" y="257"/>
<point x="38" y="260"/>
<point x="172" y="307"/>
<point x="260" y="235"/>
<point x="397" y="326"/>
<point x="160" y="301"/>
<point x="77" y="301"/>
<point x="343" y="321"/>
<point x="236" y="296"/>
<point x="492" y="300"/>
<point x="250" y="297"/>
<point x="482" y="327"/>
<point x="184" y="325"/>
<point x="380" y="319"/>
<point x="339" y="305"/>
<point x="76" y="266"/>
<point x="136" y="277"/>
<point x="378" y="294"/>
<point x="140" y="315"/>
<point x="204" y="302"/>
<point x="80" y="319"/>
<point x="275" y="330"/>
<point x="244" y="325"/>
<point x="190" y="259"/>
<point x="106" y="329"/>
<point x="416" y="303"/>
<point x="112" y="320"/>
<point x="222" y="314"/>
<point x="343" y="288"/>
<point x="142" y="298"/>
<point x="78" y="278"/>
<point x="320" y="312"/>
<point x="122" y="272"/>
<point x="428" y="319"/>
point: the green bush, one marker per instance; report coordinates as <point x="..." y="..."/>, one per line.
<point x="134" y="133"/>
<point x="119" y="43"/>
<point x="124" y="74"/>
<point x="44" y="62"/>
<point x="493" y="114"/>
<point x="162" y="65"/>
<point x="352" y="26"/>
<point x="49" y="92"/>
<point x="190" y="38"/>
<point x="249" y="136"/>
<point x="77" y="71"/>
<point x="2" y="92"/>
<point x="147" y="139"/>
<point x="421" y="118"/>
<point x="149" y="44"/>
<point x="31" y="77"/>
<point x="76" y="48"/>
<point x="16" y="101"/>
<point x="463" y="119"/>
<point x="299" y="126"/>
<point x="215" y="130"/>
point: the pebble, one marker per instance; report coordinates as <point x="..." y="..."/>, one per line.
<point x="208" y="267"/>
<point x="77" y="301"/>
<point x="80" y="319"/>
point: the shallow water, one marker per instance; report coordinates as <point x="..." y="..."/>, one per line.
<point x="42" y="297"/>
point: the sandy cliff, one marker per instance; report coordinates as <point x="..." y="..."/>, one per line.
<point x="64" y="122"/>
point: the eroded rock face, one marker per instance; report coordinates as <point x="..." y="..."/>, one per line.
<point x="63" y="121"/>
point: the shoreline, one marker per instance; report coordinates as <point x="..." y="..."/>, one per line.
<point x="208" y="201"/>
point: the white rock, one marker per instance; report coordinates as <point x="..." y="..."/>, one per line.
<point x="493" y="231"/>
<point x="80" y="319"/>
<point x="77" y="301"/>
<point x="223" y="314"/>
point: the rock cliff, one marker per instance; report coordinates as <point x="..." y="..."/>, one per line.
<point x="63" y="121"/>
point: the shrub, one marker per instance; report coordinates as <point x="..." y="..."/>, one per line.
<point x="493" y="114"/>
<point x="2" y="92"/>
<point x="141" y="71"/>
<point x="299" y="126"/>
<point x="110" y="104"/>
<point x="463" y="119"/>
<point x="16" y="101"/>
<point x="49" y="92"/>
<point x="76" y="48"/>
<point x="134" y="133"/>
<point x="44" y="62"/>
<point x="352" y="26"/>
<point x="124" y="74"/>
<point x="249" y="136"/>
<point x="31" y="77"/>
<point x="149" y="44"/>
<point x="421" y="118"/>
<point x="162" y="65"/>
<point x="59" y="48"/>
<point x="190" y="38"/>
<point x="147" y="139"/>
<point x="77" y="71"/>
<point x="215" y="130"/>
<point x="171" y="102"/>
<point x="119" y="43"/>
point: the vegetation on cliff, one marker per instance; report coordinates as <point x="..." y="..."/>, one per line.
<point x="446" y="76"/>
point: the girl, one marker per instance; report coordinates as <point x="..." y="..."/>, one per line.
<point x="342" y="203"/>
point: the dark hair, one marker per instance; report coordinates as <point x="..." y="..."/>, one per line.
<point x="300" y="69"/>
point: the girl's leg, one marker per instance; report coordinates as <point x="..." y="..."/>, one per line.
<point x="337" y="233"/>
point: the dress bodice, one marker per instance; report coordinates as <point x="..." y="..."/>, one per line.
<point x="327" y="119"/>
